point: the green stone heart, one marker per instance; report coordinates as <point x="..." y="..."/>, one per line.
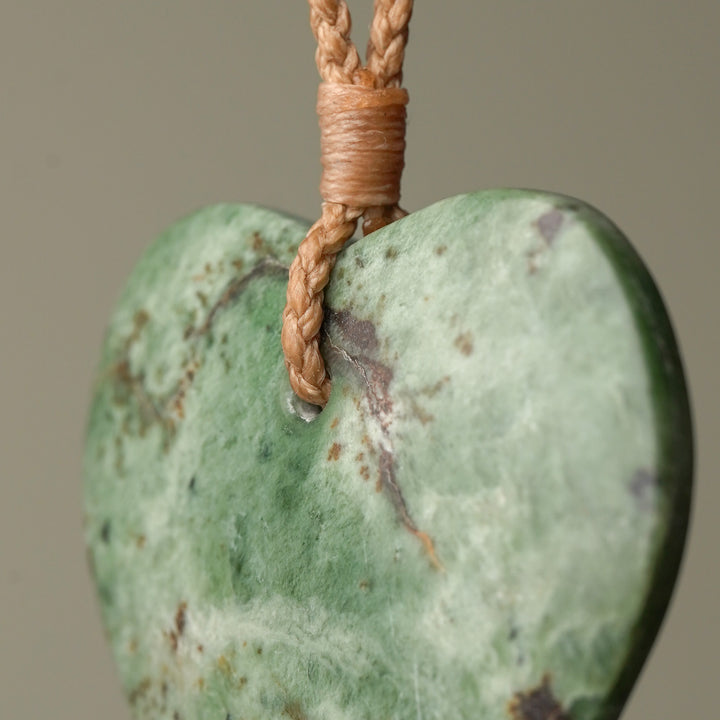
<point x="485" y="522"/>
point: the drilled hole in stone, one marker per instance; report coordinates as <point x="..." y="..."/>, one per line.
<point x="304" y="410"/>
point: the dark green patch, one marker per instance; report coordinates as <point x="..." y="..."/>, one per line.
<point x="105" y="531"/>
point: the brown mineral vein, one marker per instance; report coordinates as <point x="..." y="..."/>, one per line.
<point x="235" y="288"/>
<point x="389" y="481"/>
<point x="158" y="409"/>
<point x="376" y="378"/>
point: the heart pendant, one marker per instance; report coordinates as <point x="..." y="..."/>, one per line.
<point x="487" y="519"/>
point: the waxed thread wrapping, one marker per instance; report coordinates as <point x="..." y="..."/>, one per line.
<point x="362" y="144"/>
<point x="362" y="120"/>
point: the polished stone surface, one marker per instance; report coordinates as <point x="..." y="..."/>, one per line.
<point x="486" y="520"/>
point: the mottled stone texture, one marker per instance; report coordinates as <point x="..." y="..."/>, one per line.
<point x="485" y="522"/>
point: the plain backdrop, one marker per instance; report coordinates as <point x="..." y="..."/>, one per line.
<point x="117" y="118"/>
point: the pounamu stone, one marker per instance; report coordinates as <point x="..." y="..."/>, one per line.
<point x="485" y="522"/>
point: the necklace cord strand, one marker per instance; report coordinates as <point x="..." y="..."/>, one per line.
<point x="362" y="115"/>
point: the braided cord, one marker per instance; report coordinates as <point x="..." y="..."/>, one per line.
<point x="339" y="63"/>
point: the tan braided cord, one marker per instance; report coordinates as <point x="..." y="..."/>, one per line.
<point x="388" y="38"/>
<point x="349" y="141"/>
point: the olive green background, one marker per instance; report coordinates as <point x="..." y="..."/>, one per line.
<point x="116" y="118"/>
